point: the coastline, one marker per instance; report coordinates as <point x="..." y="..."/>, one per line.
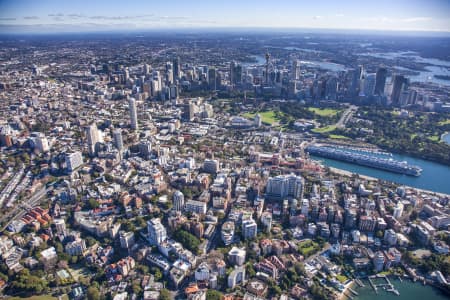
<point x="342" y="295"/>
<point x="419" y="190"/>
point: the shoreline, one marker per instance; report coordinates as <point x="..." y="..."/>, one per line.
<point x="342" y="295"/>
<point x="348" y="173"/>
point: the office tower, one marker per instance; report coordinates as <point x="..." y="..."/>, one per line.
<point x="176" y="68"/>
<point x="267" y="68"/>
<point x="147" y="69"/>
<point x="212" y="79"/>
<point x="126" y="75"/>
<point x="93" y="137"/>
<point x="133" y="114"/>
<point x="399" y="83"/>
<point x="156" y="231"/>
<point x="380" y="81"/>
<point x="235" y="73"/>
<point x="357" y="76"/>
<point x="296" y="70"/>
<point x="73" y="160"/>
<point x="211" y="166"/>
<point x="331" y="88"/>
<point x="178" y="201"/>
<point x="189" y="111"/>
<point x="118" y="140"/>
<point x="369" y="85"/>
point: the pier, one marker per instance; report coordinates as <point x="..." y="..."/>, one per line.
<point x="359" y="282"/>
<point x="388" y="286"/>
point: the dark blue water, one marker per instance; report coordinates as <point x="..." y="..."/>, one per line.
<point x="435" y="177"/>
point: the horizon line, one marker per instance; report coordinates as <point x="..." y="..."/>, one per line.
<point x="224" y="29"/>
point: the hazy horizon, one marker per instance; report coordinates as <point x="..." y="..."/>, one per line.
<point x="47" y="16"/>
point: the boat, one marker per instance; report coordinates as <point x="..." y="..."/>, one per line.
<point x="387" y="164"/>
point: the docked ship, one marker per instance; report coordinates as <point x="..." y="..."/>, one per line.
<point x="387" y="164"/>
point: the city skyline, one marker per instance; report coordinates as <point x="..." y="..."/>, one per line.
<point x="82" y="16"/>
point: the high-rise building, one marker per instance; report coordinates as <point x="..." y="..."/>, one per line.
<point x="227" y="232"/>
<point x="73" y="160"/>
<point x="126" y="239"/>
<point x="249" y="229"/>
<point x="176" y="68"/>
<point x="211" y="166"/>
<point x="283" y="186"/>
<point x="369" y="85"/>
<point x="296" y="69"/>
<point x="60" y="225"/>
<point x="178" y="201"/>
<point x="93" y="137"/>
<point x="212" y="79"/>
<point x="390" y="237"/>
<point x="156" y="231"/>
<point x="399" y="84"/>
<point x="133" y="114"/>
<point x="118" y="140"/>
<point x="41" y="142"/>
<point x="198" y="207"/>
<point x="380" y="81"/>
<point x="398" y="210"/>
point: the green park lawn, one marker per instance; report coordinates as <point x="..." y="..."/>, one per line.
<point x="268" y="117"/>
<point x="324" y="112"/>
<point x="42" y="297"/>
<point x="325" y="129"/>
<point x="337" y="137"/>
<point x="444" y="122"/>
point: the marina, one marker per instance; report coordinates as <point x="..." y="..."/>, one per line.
<point x="404" y="289"/>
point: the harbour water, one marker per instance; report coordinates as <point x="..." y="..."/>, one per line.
<point x="435" y="177"/>
<point x="408" y="290"/>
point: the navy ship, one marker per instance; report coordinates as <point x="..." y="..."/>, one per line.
<point x="387" y="164"/>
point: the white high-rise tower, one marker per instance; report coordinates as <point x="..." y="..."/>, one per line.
<point x="133" y="114"/>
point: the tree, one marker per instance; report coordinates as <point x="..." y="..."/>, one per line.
<point x="164" y="294"/>
<point x="93" y="293"/>
<point x="188" y="240"/>
<point x="213" y="295"/>
<point x="93" y="203"/>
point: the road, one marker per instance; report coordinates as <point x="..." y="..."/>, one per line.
<point x="348" y="113"/>
<point x="20" y="210"/>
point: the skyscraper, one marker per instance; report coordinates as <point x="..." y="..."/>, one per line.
<point x="399" y="83"/>
<point x="118" y="140"/>
<point x="133" y="114"/>
<point x="176" y="68"/>
<point x="296" y="70"/>
<point x="380" y="81"/>
<point x="369" y="85"/>
<point x="212" y="79"/>
<point x="93" y="138"/>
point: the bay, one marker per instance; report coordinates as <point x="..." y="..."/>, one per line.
<point x="435" y="177"/>
<point x="408" y="290"/>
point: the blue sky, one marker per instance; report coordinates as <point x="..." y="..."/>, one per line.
<point x="83" y="15"/>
